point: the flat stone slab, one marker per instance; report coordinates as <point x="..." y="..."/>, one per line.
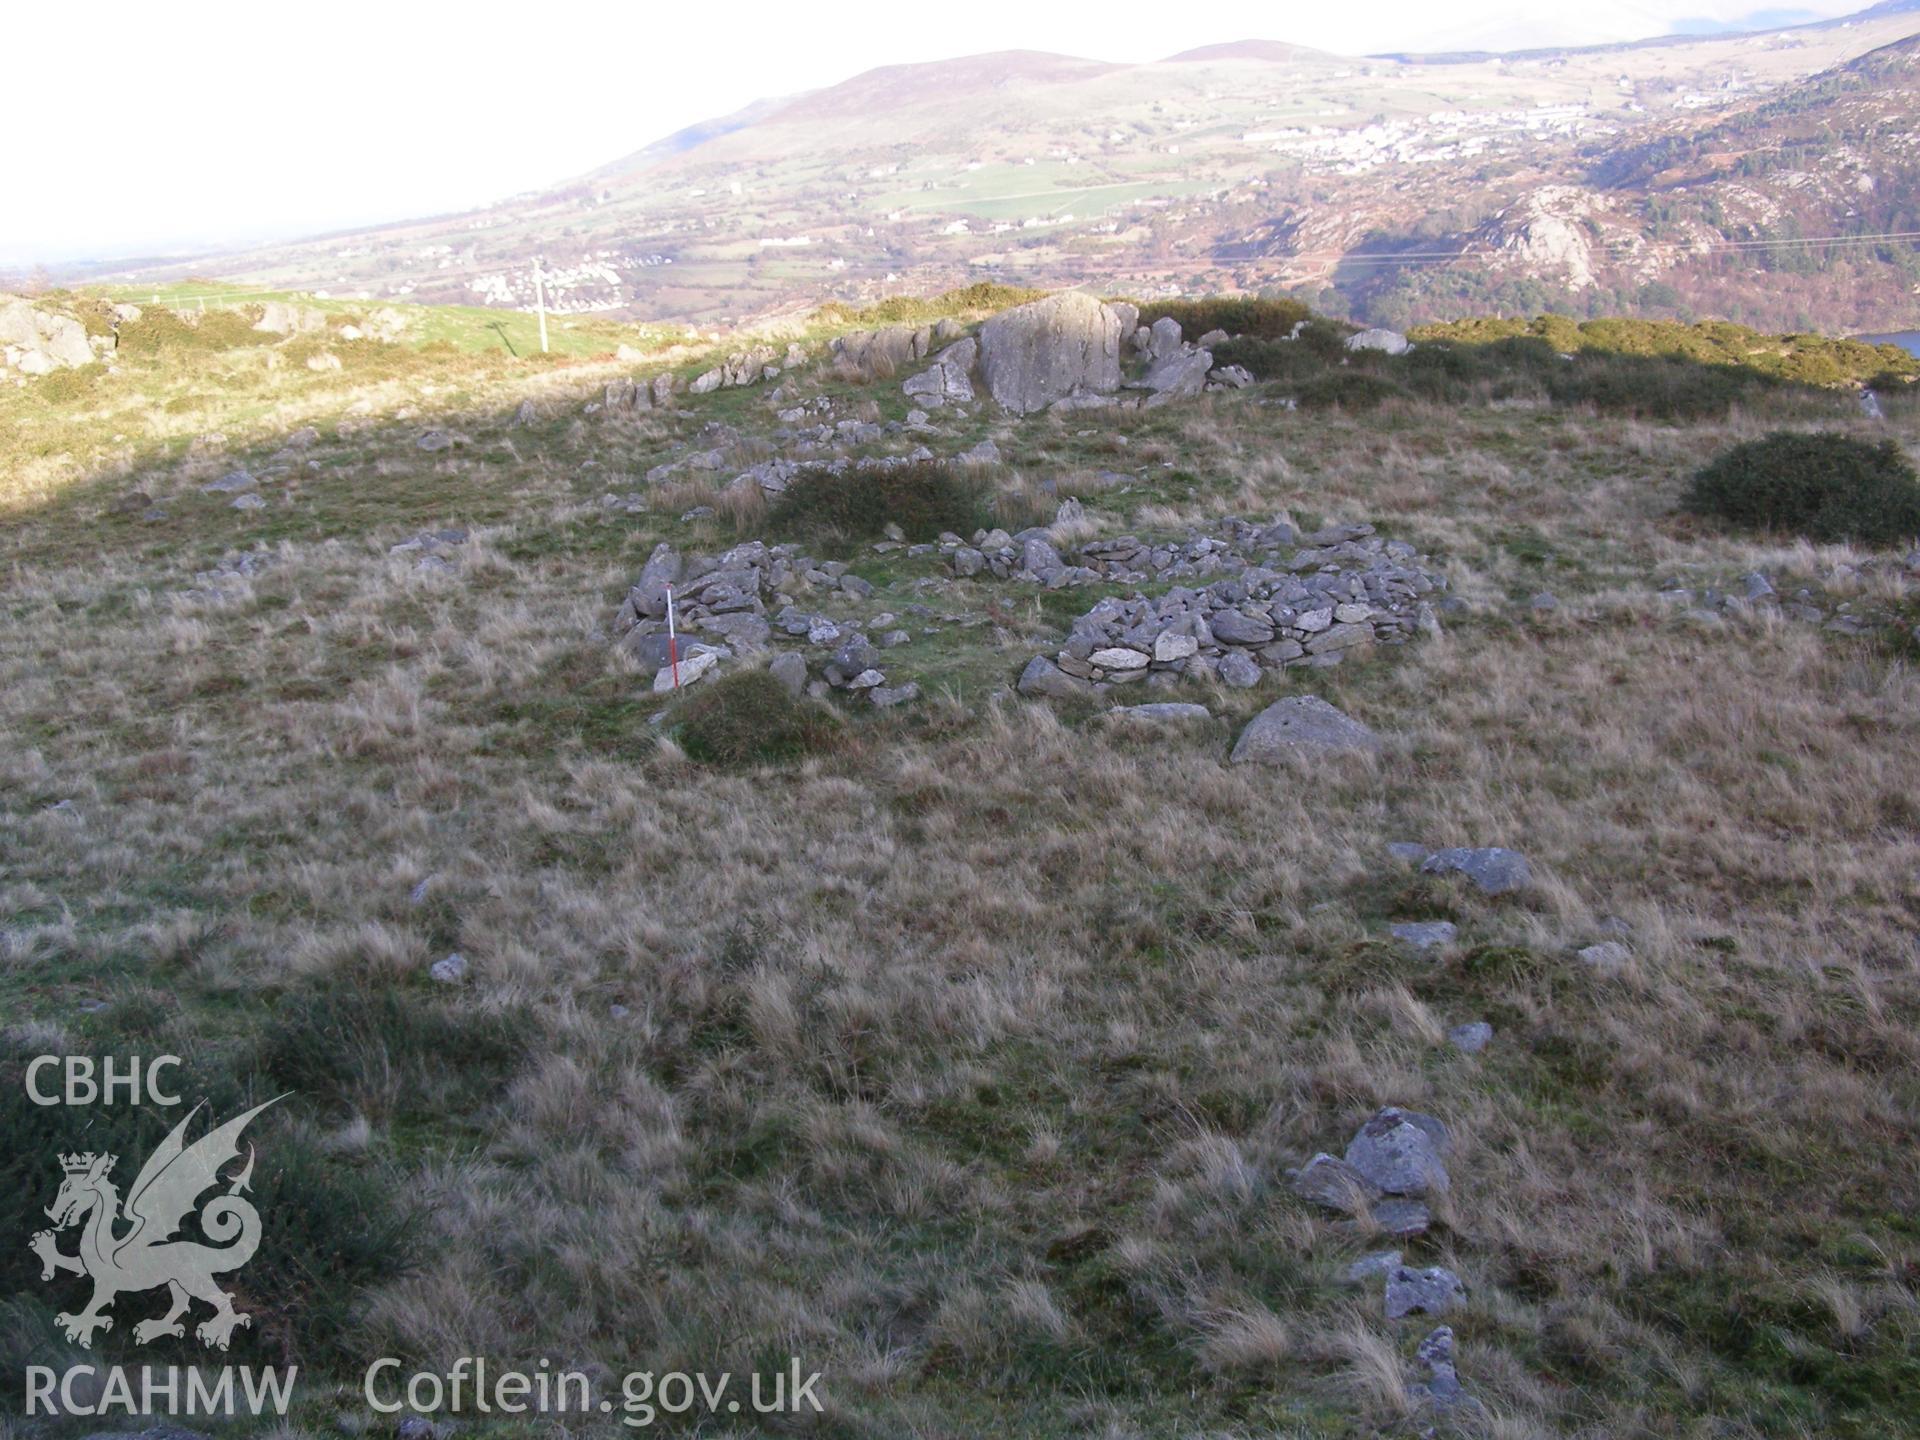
<point x="1300" y="724"/>
<point x="1494" y="870"/>
<point x="1166" y="712"/>
<point x="1330" y="1181"/>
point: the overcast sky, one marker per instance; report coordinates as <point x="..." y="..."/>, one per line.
<point x="145" y="127"/>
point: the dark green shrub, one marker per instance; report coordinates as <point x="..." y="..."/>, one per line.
<point x="857" y="504"/>
<point x="1239" y="316"/>
<point x="1272" y="359"/>
<point x="1824" y="487"/>
<point x="751" y="718"/>
<point x="1349" y="390"/>
<point x="1655" y="388"/>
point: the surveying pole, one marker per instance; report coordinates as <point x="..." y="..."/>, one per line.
<point x="540" y="302"/>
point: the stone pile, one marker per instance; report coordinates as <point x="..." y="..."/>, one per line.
<point x="1344" y="589"/>
<point x="231" y="579"/>
<point x="1395" y="1163"/>
<point x="747" y="367"/>
<point x="721" y="609"/>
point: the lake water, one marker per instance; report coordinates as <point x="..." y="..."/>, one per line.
<point x="1908" y="340"/>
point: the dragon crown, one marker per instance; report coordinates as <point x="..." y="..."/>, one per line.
<point x="80" y="1164"/>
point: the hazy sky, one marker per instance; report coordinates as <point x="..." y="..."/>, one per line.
<point x="167" y="126"/>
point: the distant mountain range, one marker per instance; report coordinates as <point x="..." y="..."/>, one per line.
<point x="1767" y="177"/>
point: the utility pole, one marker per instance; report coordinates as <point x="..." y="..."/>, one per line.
<point x="540" y="302"/>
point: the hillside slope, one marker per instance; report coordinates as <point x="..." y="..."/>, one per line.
<point x="1400" y="189"/>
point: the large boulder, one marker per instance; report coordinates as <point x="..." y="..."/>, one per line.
<point x="1300" y="724"/>
<point x="882" y="351"/>
<point x="1390" y="342"/>
<point x="37" y="341"/>
<point x="1033" y="355"/>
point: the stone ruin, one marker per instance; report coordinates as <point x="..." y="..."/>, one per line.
<point x="1242" y="601"/>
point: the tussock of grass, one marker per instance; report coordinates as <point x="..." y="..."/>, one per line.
<point x="750" y="718"/>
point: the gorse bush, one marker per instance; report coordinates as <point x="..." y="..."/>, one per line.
<point x="1807" y="359"/>
<point x="160" y="331"/>
<point x="751" y="718"/>
<point x="846" y="507"/>
<point x="1824" y="487"/>
<point x="986" y="296"/>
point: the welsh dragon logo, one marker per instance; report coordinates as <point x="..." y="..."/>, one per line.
<point x="131" y="1248"/>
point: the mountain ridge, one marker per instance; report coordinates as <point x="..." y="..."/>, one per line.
<point x="1393" y="190"/>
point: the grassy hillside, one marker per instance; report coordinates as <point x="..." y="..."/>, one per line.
<point x="966" y="1057"/>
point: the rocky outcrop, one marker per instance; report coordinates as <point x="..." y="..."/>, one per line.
<point x="949" y="380"/>
<point x="38" y="342"/>
<point x="1035" y="354"/>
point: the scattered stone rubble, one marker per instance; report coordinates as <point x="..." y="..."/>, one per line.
<point x="1277" y="603"/>
<point x="721" y="609"/>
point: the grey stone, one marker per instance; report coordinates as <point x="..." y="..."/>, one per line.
<point x="231" y="483"/>
<point x="450" y="971"/>
<point x="1425" y="934"/>
<point x="985" y="453"/>
<point x="1300" y="724"/>
<point x="1400" y="1217"/>
<point x="1473" y="1037"/>
<point x="1240" y="670"/>
<point x="1381" y="1262"/>
<point x="968" y="561"/>
<point x="1034" y="354"/>
<point x="1163" y="713"/>
<point x="1400" y="1152"/>
<point x="1423" y="1292"/>
<point x="1389" y="342"/>
<point x="885" y="696"/>
<point x="432" y="440"/>
<point x="1043" y="678"/>
<point x="1609" y="957"/>
<point x="856" y="587"/>
<point x="790" y="669"/>
<point x="249" y="502"/>
<point x="1495" y="870"/>
<point x="1327" y="1180"/>
<point x="1231" y="627"/>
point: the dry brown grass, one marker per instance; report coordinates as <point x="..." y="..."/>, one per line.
<point x="966" y="1063"/>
